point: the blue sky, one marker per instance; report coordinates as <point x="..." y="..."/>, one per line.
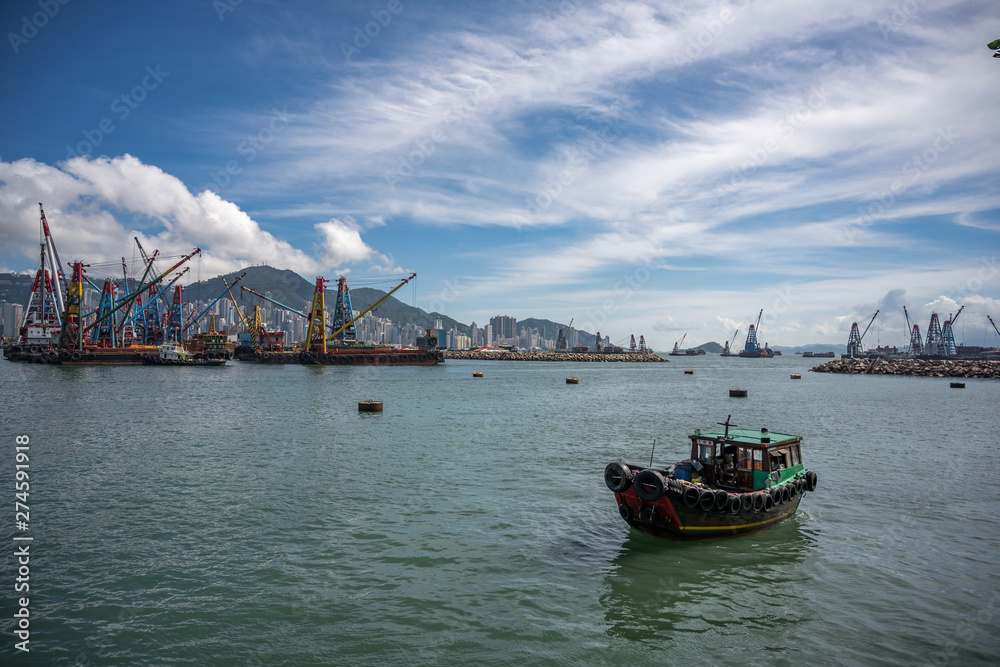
<point x="653" y="168"/>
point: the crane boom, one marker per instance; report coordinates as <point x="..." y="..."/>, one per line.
<point x="217" y="299"/>
<point x="277" y="303"/>
<point x="869" y="324"/>
<point x="994" y="324"/>
<point x="955" y="318"/>
<point x="372" y="307"/>
<point x="130" y="299"/>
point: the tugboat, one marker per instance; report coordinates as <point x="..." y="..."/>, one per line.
<point x="174" y="354"/>
<point x="736" y="481"/>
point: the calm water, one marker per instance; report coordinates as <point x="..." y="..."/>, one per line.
<point x="249" y="515"/>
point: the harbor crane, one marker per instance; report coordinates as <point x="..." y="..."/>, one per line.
<point x="854" y="348"/>
<point x="561" y="337"/>
<point x="994" y="324"/>
<point x="727" y="352"/>
<point x="677" y="345"/>
<point x="916" y="344"/>
<point x="948" y="333"/>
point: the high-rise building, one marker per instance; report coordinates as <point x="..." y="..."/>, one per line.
<point x="504" y="327"/>
<point x="488" y="335"/>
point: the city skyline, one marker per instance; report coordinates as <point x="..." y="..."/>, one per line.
<point x="641" y="167"/>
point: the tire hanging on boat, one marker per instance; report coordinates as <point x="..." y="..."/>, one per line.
<point x="707" y="500"/>
<point x="768" y="502"/>
<point x="618" y="477"/>
<point x="649" y="477"/>
<point x="721" y="500"/>
<point x="758" y="502"/>
<point x="746" y="502"/>
<point x="626" y="512"/>
<point x="811" y="481"/>
<point x="691" y="496"/>
<point x="734" y="504"/>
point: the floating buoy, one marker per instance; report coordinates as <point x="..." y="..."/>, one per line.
<point x="737" y="393"/>
<point x="572" y="381"/>
<point x="477" y="374"/>
<point x="370" y="406"/>
<point x="958" y="385"/>
<point x="688" y="372"/>
<point x="796" y="376"/>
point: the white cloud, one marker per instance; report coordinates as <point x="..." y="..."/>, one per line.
<point x="95" y="207"/>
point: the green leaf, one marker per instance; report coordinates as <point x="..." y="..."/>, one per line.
<point x="995" y="44"/>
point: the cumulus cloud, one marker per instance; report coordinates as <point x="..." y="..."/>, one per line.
<point x="95" y="207"/>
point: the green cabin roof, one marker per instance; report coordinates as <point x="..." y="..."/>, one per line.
<point x="747" y="436"/>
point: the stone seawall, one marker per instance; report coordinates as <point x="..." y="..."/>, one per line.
<point x="554" y="356"/>
<point x="939" y="368"/>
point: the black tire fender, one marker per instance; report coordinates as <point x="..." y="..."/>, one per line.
<point x="721" y="500"/>
<point x="758" y="502"/>
<point x="649" y="477"/>
<point x="626" y="512"/>
<point x="691" y="496"/>
<point x="706" y="500"/>
<point x="746" y="502"/>
<point x="618" y="476"/>
<point x="768" y="502"/>
<point x="811" y="481"/>
<point x="734" y="504"/>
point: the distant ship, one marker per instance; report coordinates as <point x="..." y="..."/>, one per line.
<point x="751" y="349"/>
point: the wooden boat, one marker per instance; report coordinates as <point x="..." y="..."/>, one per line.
<point x="736" y="481"/>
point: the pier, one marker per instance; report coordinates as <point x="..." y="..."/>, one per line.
<point x="941" y="368"/>
<point x="647" y="357"/>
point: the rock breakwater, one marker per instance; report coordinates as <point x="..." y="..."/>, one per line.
<point x="554" y="356"/>
<point x="941" y="368"/>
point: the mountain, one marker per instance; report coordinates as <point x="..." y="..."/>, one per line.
<point x="711" y="348"/>
<point x="15" y="287"/>
<point x="284" y="286"/>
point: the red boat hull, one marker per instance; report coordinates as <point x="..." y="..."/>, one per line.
<point x="668" y="516"/>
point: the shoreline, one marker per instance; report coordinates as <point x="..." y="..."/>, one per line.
<point x="649" y="357"/>
<point x="942" y="368"/>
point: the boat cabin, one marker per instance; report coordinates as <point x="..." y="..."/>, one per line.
<point x="744" y="459"/>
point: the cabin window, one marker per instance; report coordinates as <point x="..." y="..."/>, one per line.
<point x="795" y="454"/>
<point x="707" y="452"/>
<point x="744" y="459"/>
<point x="758" y="459"/>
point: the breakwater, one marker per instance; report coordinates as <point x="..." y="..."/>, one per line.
<point x="649" y="357"/>
<point x="942" y="368"/>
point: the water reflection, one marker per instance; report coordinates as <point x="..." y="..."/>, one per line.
<point x="659" y="588"/>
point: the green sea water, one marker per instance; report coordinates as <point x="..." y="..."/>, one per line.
<point x="249" y="514"/>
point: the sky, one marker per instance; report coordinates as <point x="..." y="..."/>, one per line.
<point x="647" y="168"/>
